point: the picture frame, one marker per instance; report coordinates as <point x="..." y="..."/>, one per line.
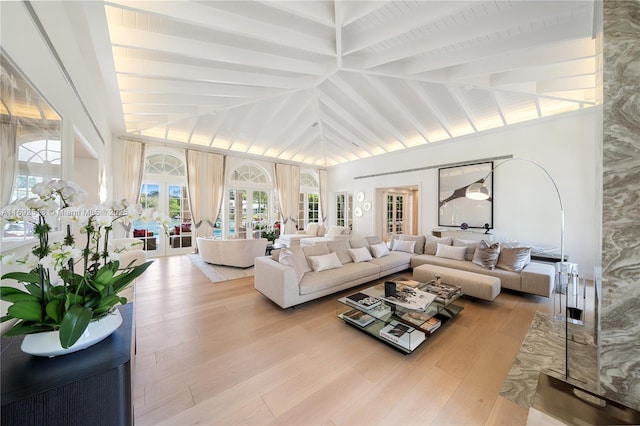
<point x="454" y="208"/>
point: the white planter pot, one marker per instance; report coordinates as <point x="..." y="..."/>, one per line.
<point x="48" y="342"/>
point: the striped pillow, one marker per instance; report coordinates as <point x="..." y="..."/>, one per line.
<point x="487" y="255"/>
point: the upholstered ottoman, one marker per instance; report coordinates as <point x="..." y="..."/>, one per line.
<point x="475" y="285"/>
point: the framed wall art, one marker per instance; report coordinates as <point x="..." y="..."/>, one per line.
<point x="454" y="208"/>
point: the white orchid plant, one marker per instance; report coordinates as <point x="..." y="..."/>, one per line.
<point x="56" y="296"/>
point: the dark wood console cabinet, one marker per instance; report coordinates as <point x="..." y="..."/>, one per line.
<point x="89" y="387"/>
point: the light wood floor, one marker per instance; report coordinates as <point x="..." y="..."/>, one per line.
<point x="224" y="354"/>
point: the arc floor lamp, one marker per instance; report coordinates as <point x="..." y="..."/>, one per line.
<point x="479" y="191"/>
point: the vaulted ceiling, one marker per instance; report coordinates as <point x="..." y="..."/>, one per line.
<point x="327" y="82"/>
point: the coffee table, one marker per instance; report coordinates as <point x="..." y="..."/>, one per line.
<point x="387" y="316"/>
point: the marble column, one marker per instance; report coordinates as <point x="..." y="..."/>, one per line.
<point x="619" y="341"/>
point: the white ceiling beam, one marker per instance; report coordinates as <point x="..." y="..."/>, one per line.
<point x="160" y="118"/>
<point x="457" y="97"/>
<point x="588" y="95"/>
<point x="307" y="142"/>
<point x="158" y="69"/>
<point x="293" y="120"/>
<point x="391" y="96"/>
<point x="366" y="106"/>
<point x="160" y="109"/>
<point x="319" y="12"/>
<point x="133" y="84"/>
<point x="568" y="83"/>
<point x="575" y="68"/>
<point x="302" y="130"/>
<point x="270" y="117"/>
<point x="431" y="105"/>
<point x="345" y="135"/>
<point x="353" y="120"/>
<point x="218" y="121"/>
<point x="137" y="39"/>
<point x="415" y="18"/>
<point x="494" y="96"/>
<point x="356" y="10"/>
<point x="170" y="99"/>
<point x="339" y="16"/>
<point x="561" y="41"/>
<point x="207" y="16"/>
<point x="520" y="13"/>
<point x="242" y="123"/>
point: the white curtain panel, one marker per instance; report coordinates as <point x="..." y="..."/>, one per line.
<point x="194" y="185"/>
<point x="8" y="160"/>
<point x="324" y="200"/>
<point x="133" y="160"/>
<point x="214" y="188"/>
<point x="288" y="188"/>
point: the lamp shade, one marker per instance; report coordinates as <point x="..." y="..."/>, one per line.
<point x="477" y="191"/>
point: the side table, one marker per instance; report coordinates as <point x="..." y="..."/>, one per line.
<point x="91" y="386"/>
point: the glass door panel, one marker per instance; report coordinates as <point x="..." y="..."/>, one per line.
<point x="180" y="237"/>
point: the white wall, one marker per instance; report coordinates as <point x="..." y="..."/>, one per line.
<point x="526" y="207"/>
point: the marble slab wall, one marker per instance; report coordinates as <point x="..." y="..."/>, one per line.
<point x="619" y="346"/>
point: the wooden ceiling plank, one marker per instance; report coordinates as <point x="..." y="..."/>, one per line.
<point x="356" y="10"/>
<point x="431" y="105"/>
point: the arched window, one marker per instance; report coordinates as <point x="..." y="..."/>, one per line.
<point x="250" y="204"/>
<point x="308" y="204"/>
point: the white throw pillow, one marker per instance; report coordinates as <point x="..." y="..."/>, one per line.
<point x="379" y="250"/>
<point x="289" y="258"/>
<point x="312" y="228"/>
<point x="406" y="246"/>
<point x="360" y="254"/>
<point x="324" y="262"/>
<point x="451" y="252"/>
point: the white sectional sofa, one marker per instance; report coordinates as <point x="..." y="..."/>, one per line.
<point x="240" y="253"/>
<point x="315" y="233"/>
<point x="290" y="279"/>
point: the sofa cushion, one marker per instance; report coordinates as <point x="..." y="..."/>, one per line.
<point x="325" y="262"/>
<point x="406" y="246"/>
<point x="313" y="282"/>
<point x="419" y="240"/>
<point x="486" y="255"/>
<point x="393" y="260"/>
<point x="315" y="250"/>
<point x="360" y="242"/>
<point x="450" y="252"/>
<point x="373" y="239"/>
<point x="379" y="250"/>
<point x="340" y="248"/>
<point x="336" y="230"/>
<point x="514" y="258"/>
<point x="289" y="258"/>
<point x="360" y="254"/>
<point x="312" y="229"/>
<point x="431" y="244"/>
<point x="471" y="246"/>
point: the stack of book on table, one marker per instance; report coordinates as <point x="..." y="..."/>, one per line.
<point x="411" y="298"/>
<point x="403" y="335"/>
<point x="358" y="317"/>
<point x="363" y="301"/>
<point x="443" y="292"/>
<point x="421" y="320"/>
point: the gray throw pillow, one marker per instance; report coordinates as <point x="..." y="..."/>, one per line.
<point x="514" y="258"/>
<point x="487" y="255"/>
<point x="419" y="240"/>
<point x="471" y="246"/>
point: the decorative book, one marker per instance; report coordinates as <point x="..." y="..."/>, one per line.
<point x="411" y="298"/>
<point x="443" y="292"/>
<point x="409" y="283"/>
<point x="363" y="301"/>
<point x="358" y="317"/>
<point x="421" y="320"/>
<point x="403" y="335"/>
<point x="379" y="311"/>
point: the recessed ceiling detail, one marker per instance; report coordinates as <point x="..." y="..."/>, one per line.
<point x="327" y="82"/>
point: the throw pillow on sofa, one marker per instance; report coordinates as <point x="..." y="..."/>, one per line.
<point x="314" y="250"/>
<point x="360" y="254"/>
<point x="431" y="246"/>
<point x="486" y="255"/>
<point x="325" y="262"/>
<point x="341" y="249"/>
<point x="451" y="252"/>
<point x="360" y="242"/>
<point x="514" y="258"/>
<point x="379" y="250"/>
<point x="406" y="246"/>
<point x="419" y="240"/>
<point x="471" y="246"/>
<point x="289" y="258"/>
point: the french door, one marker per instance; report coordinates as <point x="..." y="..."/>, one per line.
<point x="169" y="198"/>
<point x="248" y="213"/>
<point x="395" y="217"/>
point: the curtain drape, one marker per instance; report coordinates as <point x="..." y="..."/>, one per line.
<point x="8" y="159"/>
<point x="288" y="189"/>
<point x="133" y="160"/>
<point x="324" y="200"/>
<point x="205" y="186"/>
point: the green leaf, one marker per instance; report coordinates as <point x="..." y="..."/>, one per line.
<point x="104" y="276"/>
<point x="24" y="277"/>
<point x="124" y="279"/>
<point x="73" y="324"/>
<point x="22" y="328"/>
<point x="34" y="289"/>
<point x="54" y="310"/>
<point x="11" y="294"/>
<point x="28" y="311"/>
<point x="107" y="303"/>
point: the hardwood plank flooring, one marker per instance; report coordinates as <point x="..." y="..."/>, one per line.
<point x="224" y="354"/>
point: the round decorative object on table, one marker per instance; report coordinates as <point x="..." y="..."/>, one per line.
<point x="357" y="211"/>
<point x="48" y="343"/>
<point x="360" y="197"/>
<point x="367" y="206"/>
